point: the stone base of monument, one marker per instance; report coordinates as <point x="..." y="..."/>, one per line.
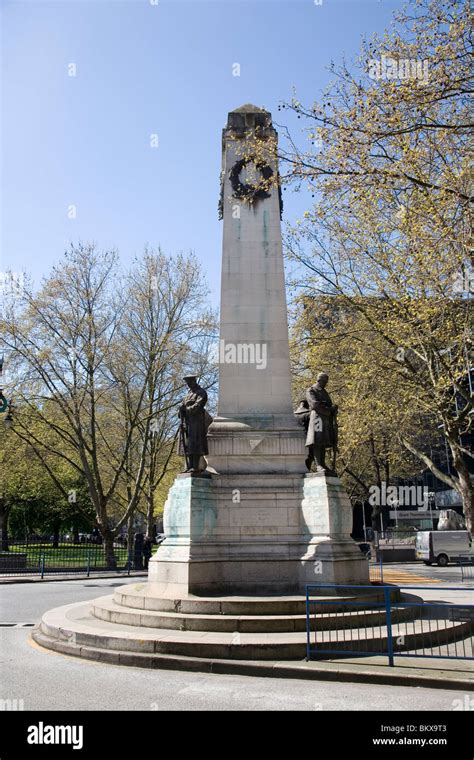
<point x="136" y="620"/>
<point x="257" y="534"/>
<point x="135" y="626"/>
<point x="228" y="582"/>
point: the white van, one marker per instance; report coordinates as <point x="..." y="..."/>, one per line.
<point x="443" y="546"/>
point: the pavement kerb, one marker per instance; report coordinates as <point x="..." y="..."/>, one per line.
<point x="322" y="671"/>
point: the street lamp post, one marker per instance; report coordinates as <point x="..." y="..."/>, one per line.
<point x="8" y="421"/>
<point x="6" y="406"/>
<point x="363" y="521"/>
<point x="431" y="498"/>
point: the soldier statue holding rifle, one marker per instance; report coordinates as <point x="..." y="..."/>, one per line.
<point x="194" y="422"/>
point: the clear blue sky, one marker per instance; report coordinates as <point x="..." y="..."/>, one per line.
<point x="145" y="69"/>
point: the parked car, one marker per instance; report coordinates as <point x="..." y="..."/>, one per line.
<point x="443" y="546"/>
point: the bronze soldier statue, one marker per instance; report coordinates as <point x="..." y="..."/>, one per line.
<point x="195" y="421"/>
<point x="322" y="428"/>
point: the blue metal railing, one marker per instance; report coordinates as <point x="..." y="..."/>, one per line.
<point x="467" y="568"/>
<point x="379" y="622"/>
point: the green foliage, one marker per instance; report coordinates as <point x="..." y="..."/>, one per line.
<point x="389" y="235"/>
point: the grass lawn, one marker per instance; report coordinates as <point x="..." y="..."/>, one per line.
<point x="68" y="555"/>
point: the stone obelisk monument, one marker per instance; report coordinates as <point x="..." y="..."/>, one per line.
<point x="255" y="430"/>
<point x="257" y="523"/>
<point x="244" y="537"/>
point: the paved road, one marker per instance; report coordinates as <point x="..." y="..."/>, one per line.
<point x="49" y="681"/>
<point x="406" y="572"/>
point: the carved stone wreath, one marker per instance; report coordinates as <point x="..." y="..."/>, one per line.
<point x="246" y="191"/>
<point x="238" y="186"/>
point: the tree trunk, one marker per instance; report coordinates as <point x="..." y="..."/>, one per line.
<point x="4" y="512"/>
<point x="56" y="529"/>
<point x="467" y="496"/>
<point x="150" y="516"/>
<point x="130" y="531"/>
<point x="75" y="534"/>
<point x="376" y="508"/>
<point x="110" y="558"/>
<point x="464" y="488"/>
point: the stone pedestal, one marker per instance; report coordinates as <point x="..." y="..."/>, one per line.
<point x="255" y="534"/>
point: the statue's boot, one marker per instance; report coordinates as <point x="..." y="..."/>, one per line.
<point x="320" y="459"/>
<point x="196" y="467"/>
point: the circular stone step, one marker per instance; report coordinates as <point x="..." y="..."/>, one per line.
<point x="73" y="629"/>
<point x="146" y="596"/>
<point x="106" y="608"/>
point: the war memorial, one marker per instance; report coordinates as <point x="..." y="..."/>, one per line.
<point x="258" y="512"/>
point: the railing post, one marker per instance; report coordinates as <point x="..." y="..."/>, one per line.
<point x="88" y="561"/>
<point x="42" y="563"/>
<point x="388" y="620"/>
<point x="381" y="568"/>
<point x="308" y="627"/>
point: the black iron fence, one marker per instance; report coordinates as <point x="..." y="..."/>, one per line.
<point x="45" y="558"/>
